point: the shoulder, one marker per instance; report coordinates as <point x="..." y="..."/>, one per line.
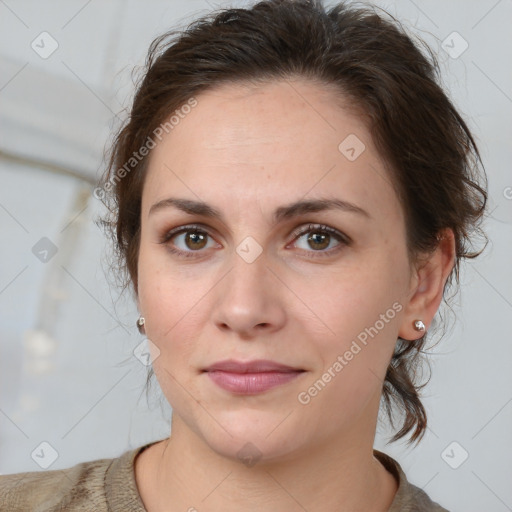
<point x="64" y="489"/>
<point x="408" y="498"/>
<point x="97" y="485"/>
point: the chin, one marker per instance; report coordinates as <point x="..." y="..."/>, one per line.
<point x="251" y="441"/>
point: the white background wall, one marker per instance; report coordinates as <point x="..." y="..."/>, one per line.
<point x="67" y="371"/>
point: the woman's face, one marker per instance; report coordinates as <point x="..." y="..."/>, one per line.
<point x="255" y="281"/>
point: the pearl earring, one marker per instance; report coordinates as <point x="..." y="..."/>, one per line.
<point x="140" y="324"/>
<point x="419" y="325"/>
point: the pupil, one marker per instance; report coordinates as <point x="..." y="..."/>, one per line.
<point x="311" y="238"/>
<point x="195" y="238"/>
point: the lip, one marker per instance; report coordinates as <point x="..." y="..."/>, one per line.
<point x="252" y="377"/>
<point x="255" y="366"/>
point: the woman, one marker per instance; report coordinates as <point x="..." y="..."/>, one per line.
<point x="290" y="197"/>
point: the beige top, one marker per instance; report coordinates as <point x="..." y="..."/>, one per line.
<point x="108" y="485"/>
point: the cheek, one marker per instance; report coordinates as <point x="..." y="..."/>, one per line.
<point x="163" y="296"/>
<point x="351" y="299"/>
<point x="174" y="308"/>
<point x="361" y="308"/>
<point x="354" y="361"/>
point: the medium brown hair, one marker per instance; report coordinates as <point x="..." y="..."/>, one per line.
<point x="369" y="58"/>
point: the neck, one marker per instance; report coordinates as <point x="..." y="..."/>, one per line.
<point x="340" y="475"/>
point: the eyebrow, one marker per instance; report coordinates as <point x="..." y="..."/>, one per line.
<point x="285" y="212"/>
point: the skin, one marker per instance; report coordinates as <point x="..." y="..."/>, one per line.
<point x="248" y="150"/>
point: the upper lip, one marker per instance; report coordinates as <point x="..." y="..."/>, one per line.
<point x="255" y="366"/>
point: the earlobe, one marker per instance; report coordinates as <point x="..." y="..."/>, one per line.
<point x="427" y="292"/>
<point x="419" y="325"/>
<point x="141" y="323"/>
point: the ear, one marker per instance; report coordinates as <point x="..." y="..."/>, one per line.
<point x="427" y="286"/>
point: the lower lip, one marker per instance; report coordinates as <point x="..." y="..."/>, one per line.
<point x="251" y="383"/>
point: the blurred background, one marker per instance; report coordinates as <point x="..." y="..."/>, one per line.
<point x="72" y="374"/>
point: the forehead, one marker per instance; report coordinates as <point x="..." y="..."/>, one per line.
<point x="269" y="143"/>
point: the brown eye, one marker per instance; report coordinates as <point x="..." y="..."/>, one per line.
<point x="320" y="240"/>
<point x="187" y="240"/>
<point x="195" y="240"/>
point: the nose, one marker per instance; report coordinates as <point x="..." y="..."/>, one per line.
<point x="249" y="300"/>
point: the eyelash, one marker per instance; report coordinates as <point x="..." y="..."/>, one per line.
<point x="343" y="239"/>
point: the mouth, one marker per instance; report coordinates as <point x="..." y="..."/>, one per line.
<point x="252" y="377"/>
